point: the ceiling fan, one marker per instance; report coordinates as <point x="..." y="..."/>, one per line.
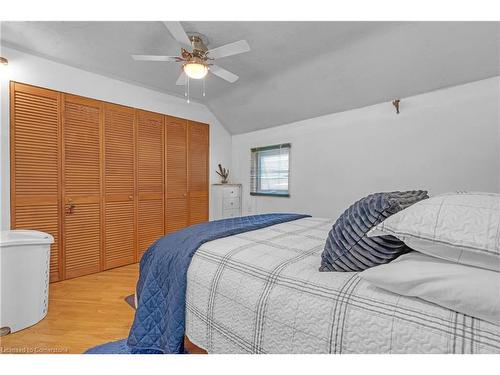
<point x="196" y="58"/>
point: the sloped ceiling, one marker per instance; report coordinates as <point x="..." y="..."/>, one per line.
<point x="294" y="71"/>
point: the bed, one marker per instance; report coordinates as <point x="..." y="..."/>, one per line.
<point x="260" y="292"/>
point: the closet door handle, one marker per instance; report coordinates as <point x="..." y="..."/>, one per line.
<point x="70" y="207"/>
<point x="130" y="197"/>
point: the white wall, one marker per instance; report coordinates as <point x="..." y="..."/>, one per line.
<point x="442" y="141"/>
<point x="33" y="70"/>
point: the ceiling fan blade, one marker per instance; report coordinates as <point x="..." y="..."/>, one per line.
<point x="181" y="80"/>
<point x="223" y="73"/>
<point x="229" y="49"/>
<point x="178" y="32"/>
<point x="154" y="58"/>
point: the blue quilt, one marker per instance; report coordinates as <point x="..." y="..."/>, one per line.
<point x="159" y="321"/>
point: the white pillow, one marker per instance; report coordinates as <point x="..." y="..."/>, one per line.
<point x="460" y="227"/>
<point x="469" y="290"/>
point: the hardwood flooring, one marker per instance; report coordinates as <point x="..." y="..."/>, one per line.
<point x="83" y="312"/>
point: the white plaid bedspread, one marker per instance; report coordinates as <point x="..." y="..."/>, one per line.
<point x="261" y="292"/>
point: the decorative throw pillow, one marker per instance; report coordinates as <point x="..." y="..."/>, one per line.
<point x="459" y="227"/>
<point x="348" y="248"/>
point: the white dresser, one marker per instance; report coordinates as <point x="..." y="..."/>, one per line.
<point x="226" y="200"/>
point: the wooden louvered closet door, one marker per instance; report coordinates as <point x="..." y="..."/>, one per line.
<point x="35" y="165"/>
<point x="119" y="171"/>
<point x="176" y="189"/>
<point x="198" y="156"/>
<point x="104" y="180"/>
<point x="150" y="179"/>
<point x="82" y="121"/>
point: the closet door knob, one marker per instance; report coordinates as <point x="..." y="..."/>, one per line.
<point x="130" y="197"/>
<point x="70" y="207"/>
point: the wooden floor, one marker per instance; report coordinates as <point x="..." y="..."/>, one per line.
<point x="83" y="312"/>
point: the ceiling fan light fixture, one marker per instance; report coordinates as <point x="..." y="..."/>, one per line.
<point x="195" y="70"/>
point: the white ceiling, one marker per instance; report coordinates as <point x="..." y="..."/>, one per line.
<point x="294" y="71"/>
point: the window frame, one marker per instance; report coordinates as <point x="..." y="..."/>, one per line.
<point x="258" y="177"/>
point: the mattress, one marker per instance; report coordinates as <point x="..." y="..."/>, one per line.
<point x="261" y="292"/>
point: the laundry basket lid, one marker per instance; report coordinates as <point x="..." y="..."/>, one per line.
<point x="24" y="237"/>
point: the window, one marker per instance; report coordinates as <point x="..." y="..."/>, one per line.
<point x="270" y="170"/>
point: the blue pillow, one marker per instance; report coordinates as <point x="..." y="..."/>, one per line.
<point x="348" y="248"/>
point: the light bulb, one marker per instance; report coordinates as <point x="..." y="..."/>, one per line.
<point x="4" y="67"/>
<point x="195" y="70"/>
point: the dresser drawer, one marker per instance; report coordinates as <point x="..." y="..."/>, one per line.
<point x="231" y="203"/>
<point x="231" y="192"/>
<point x="230" y="213"/>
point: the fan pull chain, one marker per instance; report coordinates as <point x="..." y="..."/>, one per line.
<point x="188" y="90"/>
<point x="204" y="79"/>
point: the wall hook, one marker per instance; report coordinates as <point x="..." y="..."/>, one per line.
<point x="395" y="103"/>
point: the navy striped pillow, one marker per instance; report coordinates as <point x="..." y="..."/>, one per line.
<point x="348" y="248"/>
